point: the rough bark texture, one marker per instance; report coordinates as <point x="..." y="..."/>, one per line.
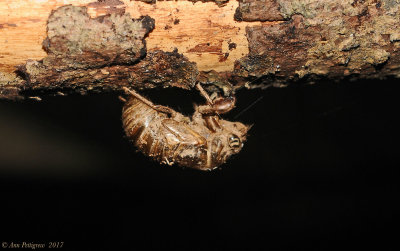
<point x="10" y="86"/>
<point x="275" y="42"/>
<point x="251" y="10"/>
<point x="330" y="39"/>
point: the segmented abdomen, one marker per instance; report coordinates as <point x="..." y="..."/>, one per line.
<point x="141" y="123"/>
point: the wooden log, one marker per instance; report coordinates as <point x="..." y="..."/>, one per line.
<point x="245" y="42"/>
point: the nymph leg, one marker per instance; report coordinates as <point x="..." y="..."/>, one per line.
<point x="158" y="108"/>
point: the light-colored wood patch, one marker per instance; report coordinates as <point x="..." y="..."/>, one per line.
<point x="23" y="28"/>
<point x="201" y="31"/>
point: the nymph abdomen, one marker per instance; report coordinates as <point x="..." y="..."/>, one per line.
<point x="162" y="138"/>
<point x="140" y="122"/>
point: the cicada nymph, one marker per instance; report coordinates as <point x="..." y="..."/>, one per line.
<point x="202" y="142"/>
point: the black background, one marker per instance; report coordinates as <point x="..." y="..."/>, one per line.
<point x="318" y="172"/>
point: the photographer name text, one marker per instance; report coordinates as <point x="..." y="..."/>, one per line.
<point x="31" y="245"/>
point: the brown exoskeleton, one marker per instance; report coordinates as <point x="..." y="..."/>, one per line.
<point x="203" y="142"/>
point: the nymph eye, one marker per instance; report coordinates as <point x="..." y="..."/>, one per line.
<point x="234" y="141"/>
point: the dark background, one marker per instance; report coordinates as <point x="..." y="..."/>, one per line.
<point x="318" y="172"/>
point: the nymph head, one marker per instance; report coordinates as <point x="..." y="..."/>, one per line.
<point x="226" y="142"/>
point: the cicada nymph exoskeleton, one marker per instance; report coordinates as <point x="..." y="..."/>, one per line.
<point x="203" y="142"/>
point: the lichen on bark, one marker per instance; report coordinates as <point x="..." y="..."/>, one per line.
<point x="74" y="40"/>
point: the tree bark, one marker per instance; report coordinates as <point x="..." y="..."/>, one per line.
<point x="48" y="47"/>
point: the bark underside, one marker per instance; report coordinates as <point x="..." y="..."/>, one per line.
<point x="286" y="41"/>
